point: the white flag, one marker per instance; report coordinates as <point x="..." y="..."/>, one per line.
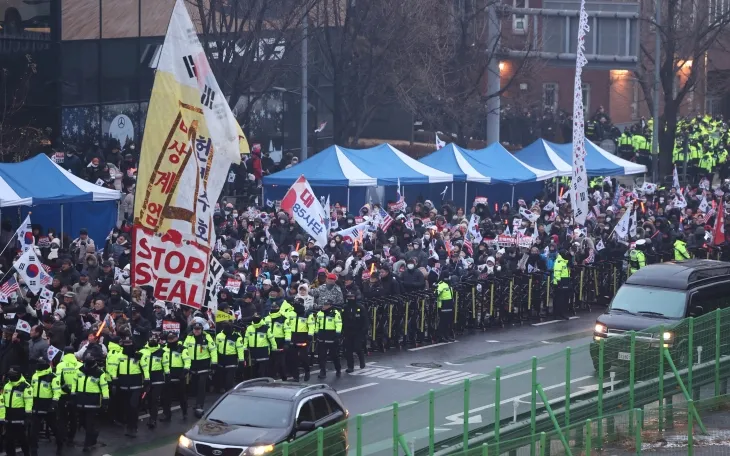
<point x="25" y="234"/>
<point x="33" y="274"/>
<point x="675" y="178"/>
<point x="624" y="225"/>
<point x="632" y="228"/>
<point x="549" y="206"/>
<point x="439" y="143"/>
<point x="529" y="215"/>
<point x="46" y="306"/>
<point x="22" y="325"/>
<point x="579" y="181"/>
<point x="52" y="352"/>
<point x="472" y="232"/>
<point x="327" y="213"/>
<point x="301" y="203"/>
<point x="704" y="205"/>
<point x="600" y="246"/>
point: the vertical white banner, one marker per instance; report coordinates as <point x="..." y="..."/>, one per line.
<point x="579" y="181"/>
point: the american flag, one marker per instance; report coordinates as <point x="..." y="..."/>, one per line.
<point x="46" y="267"/>
<point x="46" y="279"/>
<point x="709" y="214"/>
<point x="591" y="257"/>
<point x="9" y="287"/>
<point x="385" y="219"/>
<point x="400" y="204"/>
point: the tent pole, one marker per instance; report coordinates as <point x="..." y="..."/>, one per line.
<point x="61" y="225"/>
<point x="466" y="192"/>
<point x="513" y="196"/>
<point x="348" y="199"/>
<point x="452" y="191"/>
<point x="557" y="189"/>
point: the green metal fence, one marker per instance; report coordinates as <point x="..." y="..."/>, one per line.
<point x="574" y="400"/>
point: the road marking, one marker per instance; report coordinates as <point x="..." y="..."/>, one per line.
<point x="418" y="374"/>
<point x="573" y="318"/>
<point x="390" y="407"/>
<point x="431" y="346"/>
<point x="493" y="341"/>
<point x="549" y="322"/>
<point x="547" y="342"/>
<point x="355" y="388"/>
<point x="452" y="364"/>
<point x="517" y="374"/>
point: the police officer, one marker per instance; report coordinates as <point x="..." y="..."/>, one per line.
<point x="67" y="414"/>
<point x="129" y="379"/>
<point x="279" y="324"/>
<point x="229" y="344"/>
<point x="45" y="389"/>
<point x="445" y="306"/>
<point x="176" y="365"/>
<point x="328" y="330"/>
<point x="637" y="259"/>
<point x="16" y="411"/>
<point x="302" y="332"/>
<point x="355" y="329"/>
<point x="91" y="390"/>
<point x="259" y="341"/>
<point x="680" y="248"/>
<point x="155" y="356"/>
<point x="203" y="360"/>
<point x="561" y="283"/>
<point x="114" y="351"/>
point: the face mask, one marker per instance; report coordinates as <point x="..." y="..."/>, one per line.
<point x="427" y="237"/>
<point x="294" y="271"/>
<point x="411" y="265"/>
<point x="332" y="244"/>
<point x="262" y="239"/>
<point x="330" y="286"/>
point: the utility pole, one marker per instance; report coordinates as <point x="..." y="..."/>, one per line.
<point x="655" y="130"/>
<point x="304" y="135"/>
<point x="493" y="76"/>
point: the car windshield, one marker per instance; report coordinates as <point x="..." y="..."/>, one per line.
<point x="253" y="411"/>
<point x="650" y="301"/>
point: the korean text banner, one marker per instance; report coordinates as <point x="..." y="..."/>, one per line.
<point x="303" y="205"/>
<point x="191" y="139"/>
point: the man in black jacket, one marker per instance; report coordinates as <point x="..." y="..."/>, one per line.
<point x="412" y="279"/>
<point x="390" y="284"/>
<point x="355" y="324"/>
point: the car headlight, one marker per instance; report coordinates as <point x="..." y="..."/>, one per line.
<point x="185" y="442"/>
<point x="600" y="328"/>
<point x="667" y="335"/>
<point x="261" y="449"/>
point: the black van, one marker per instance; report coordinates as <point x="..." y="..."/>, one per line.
<point x="661" y="294"/>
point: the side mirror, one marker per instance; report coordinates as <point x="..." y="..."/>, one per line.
<point x="697" y="311"/>
<point x="306" y="426"/>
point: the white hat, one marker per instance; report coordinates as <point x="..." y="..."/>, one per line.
<point x="267" y="281"/>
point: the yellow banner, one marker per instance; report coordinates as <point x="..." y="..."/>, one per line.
<point x="222" y="317"/>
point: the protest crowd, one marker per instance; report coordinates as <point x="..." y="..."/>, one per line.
<point x="80" y="345"/>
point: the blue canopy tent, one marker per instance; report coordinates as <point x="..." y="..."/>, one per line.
<point x="451" y="159"/>
<point x="598" y="161"/>
<point x="540" y="154"/>
<point x="57" y="198"/>
<point x="330" y="172"/>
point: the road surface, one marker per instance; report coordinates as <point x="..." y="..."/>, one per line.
<point x="406" y="376"/>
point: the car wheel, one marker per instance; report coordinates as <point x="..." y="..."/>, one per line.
<point x="12" y="24"/>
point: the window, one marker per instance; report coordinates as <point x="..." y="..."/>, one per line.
<point x="711" y="297"/>
<point x="550" y="96"/>
<point x="305" y="412"/>
<point x="321" y="408"/>
<point x="640" y="299"/>
<point x="80" y="72"/>
<point x="519" y="21"/>
<point x="586" y="90"/>
<point x="119" y="80"/>
<point x="334" y="406"/>
<point x="270" y="413"/>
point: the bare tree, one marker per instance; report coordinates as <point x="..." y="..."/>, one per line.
<point x="363" y="52"/>
<point x="18" y="137"/>
<point x="451" y="75"/>
<point x="688" y="30"/>
<point x="250" y="45"/>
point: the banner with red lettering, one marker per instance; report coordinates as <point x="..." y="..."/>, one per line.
<point x="191" y="140"/>
<point x="301" y="203"/>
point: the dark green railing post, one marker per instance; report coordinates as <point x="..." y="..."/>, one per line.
<point x="690" y="428"/>
<point x="639" y="420"/>
<point x="632" y="379"/>
<point x="485" y="449"/>
<point x="320" y="441"/>
<point x="567" y="386"/>
<point x="358" y="438"/>
<point x="431" y="422"/>
<point x="396" y="431"/>
<point x="533" y="406"/>
<point x="717" y="352"/>
<point x="554" y="420"/>
<point x="285" y="449"/>
<point x="690" y="353"/>
<point x="684" y="390"/>
<point x="601" y="363"/>
<point x="589" y="434"/>
<point x="543" y="442"/>
<point x="467" y="393"/>
<point x="661" y="378"/>
<point x="497" y="406"/>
